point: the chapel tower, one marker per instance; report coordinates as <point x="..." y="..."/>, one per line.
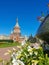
<point x="16" y="32"/>
<point x="16" y="29"/>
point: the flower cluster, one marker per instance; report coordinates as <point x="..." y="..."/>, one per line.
<point x="26" y="55"/>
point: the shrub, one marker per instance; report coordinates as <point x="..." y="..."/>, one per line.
<point x="27" y="55"/>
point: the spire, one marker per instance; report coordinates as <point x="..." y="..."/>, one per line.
<point x="17" y="19"/>
<point x="17" y="25"/>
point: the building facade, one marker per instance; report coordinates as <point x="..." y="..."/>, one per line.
<point x="16" y="34"/>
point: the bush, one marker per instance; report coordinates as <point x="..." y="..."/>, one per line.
<point x="2" y="41"/>
<point x="28" y="56"/>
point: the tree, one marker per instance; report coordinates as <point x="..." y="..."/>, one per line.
<point x="31" y="39"/>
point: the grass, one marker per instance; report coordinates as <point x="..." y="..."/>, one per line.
<point x="5" y="44"/>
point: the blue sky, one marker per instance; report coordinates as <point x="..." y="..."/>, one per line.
<point x="27" y="12"/>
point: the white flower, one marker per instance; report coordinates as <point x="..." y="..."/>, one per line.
<point x="29" y="47"/>
<point x="22" y="58"/>
<point x="9" y="51"/>
<point x="36" y="46"/>
<point x="23" y="42"/>
<point x="15" y="62"/>
<point x="35" y="62"/>
<point x="14" y="49"/>
<point x="30" y="53"/>
<point x="20" y="62"/>
<point x="6" y="53"/>
<point x="35" y="53"/>
<point x="19" y="47"/>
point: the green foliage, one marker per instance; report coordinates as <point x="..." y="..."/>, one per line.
<point x="30" y="56"/>
<point x="11" y="41"/>
<point x="35" y="55"/>
<point x="31" y="39"/>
